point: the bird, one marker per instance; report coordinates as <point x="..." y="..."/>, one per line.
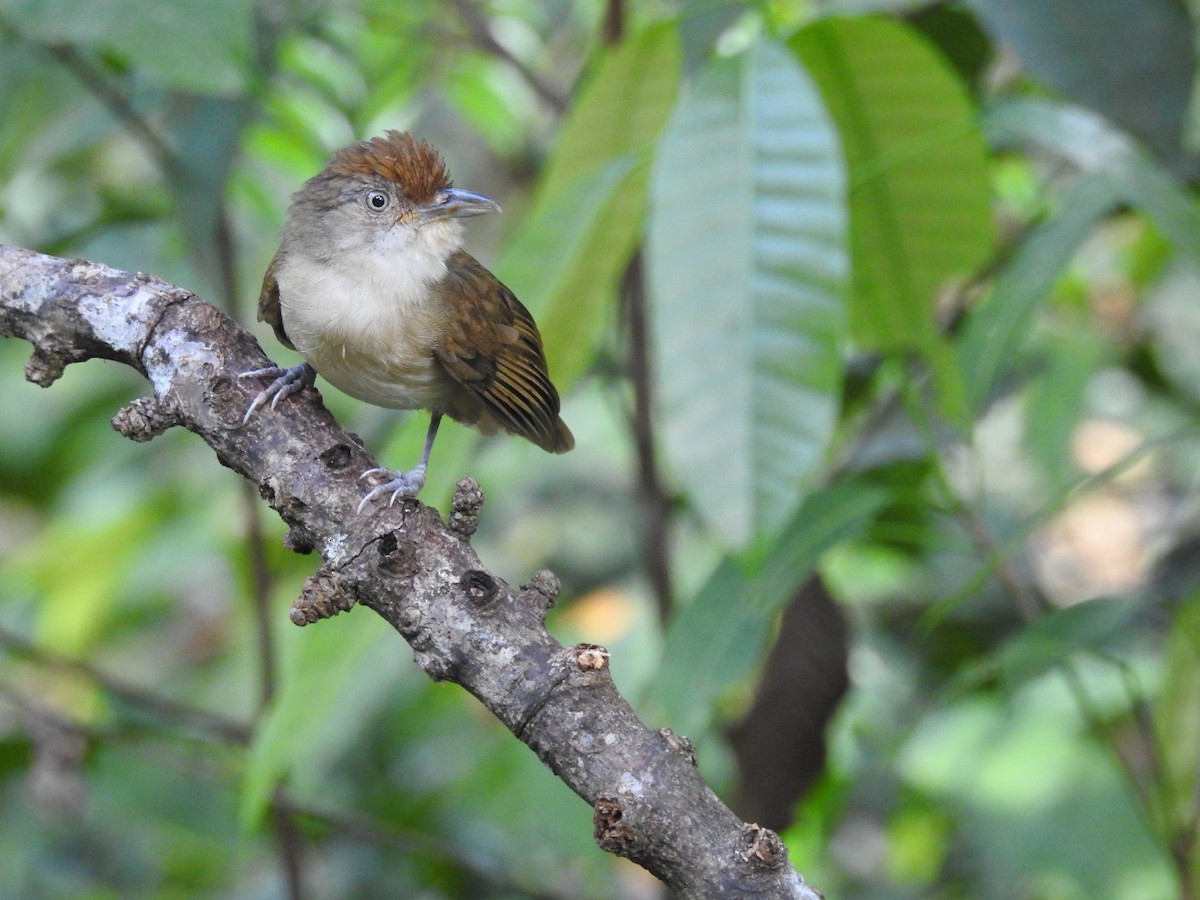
<point x="372" y="286"/>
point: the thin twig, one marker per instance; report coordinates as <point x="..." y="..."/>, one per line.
<point x="1155" y="818"/>
<point x="172" y="710"/>
<point x="656" y="512"/>
<point x="290" y="843"/>
<point x="97" y="83"/>
<point x="262" y="581"/>
<point x="387" y="835"/>
<point x="1028" y="603"/>
<point x="614" y="21"/>
<point x="1180" y="830"/>
<point x="477" y="28"/>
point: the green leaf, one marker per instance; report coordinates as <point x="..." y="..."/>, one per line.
<point x="958" y="37"/>
<point x="559" y="256"/>
<point x="920" y="207"/>
<point x="1107" y="54"/>
<point x="1046" y="643"/>
<point x="747" y="265"/>
<point x="80" y="565"/>
<point x="493" y="98"/>
<point x="1091" y="144"/>
<point x="1177" y="715"/>
<point x="198" y="46"/>
<point x="622" y="109"/>
<point x="205" y="132"/>
<point x="1056" y="401"/>
<point x="719" y="637"/>
<point x="567" y="261"/>
<point x="995" y="332"/>
<point x="701" y="24"/>
<point x="317" y="670"/>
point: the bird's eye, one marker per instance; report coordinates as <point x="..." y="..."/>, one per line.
<point x="377" y="200"/>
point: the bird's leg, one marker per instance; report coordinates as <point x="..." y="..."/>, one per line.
<point x="287" y="382"/>
<point x="403" y="484"/>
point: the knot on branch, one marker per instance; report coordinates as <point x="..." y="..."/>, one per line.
<point x="465" y="506"/>
<point x="297" y="542"/>
<point x="590" y="657"/>
<point x="146" y="418"/>
<point x="479" y="586"/>
<point x="45" y="367"/>
<point x="761" y="849"/>
<point x="546" y="584"/>
<point x="291" y="509"/>
<point x="337" y="457"/>
<point x="323" y="597"/>
<point x="612" y="831"/>
<point x="679" y="744"/>
<point x="396" y="554"/>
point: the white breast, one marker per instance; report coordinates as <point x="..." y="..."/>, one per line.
<point x="364" y="321"/>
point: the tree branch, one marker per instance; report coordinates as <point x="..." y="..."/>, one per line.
<point x="463" y="623"/>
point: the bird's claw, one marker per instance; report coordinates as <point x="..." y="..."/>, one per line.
<point x="287" y="382"/>
<point x="399" y="484"/>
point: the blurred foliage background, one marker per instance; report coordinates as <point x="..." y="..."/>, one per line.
<point x="877" y="325"/>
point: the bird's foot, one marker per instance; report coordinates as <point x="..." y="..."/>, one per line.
<point x="287" y="382"/>
<point x="399" y="484"/>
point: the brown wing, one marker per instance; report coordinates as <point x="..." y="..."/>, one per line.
<point x="492" y="348"/>
<point x="268" y="303"/>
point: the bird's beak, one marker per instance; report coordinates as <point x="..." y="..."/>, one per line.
<point x="455" y="204"/>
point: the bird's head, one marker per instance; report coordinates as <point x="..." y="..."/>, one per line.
<point x="389" y="192"/>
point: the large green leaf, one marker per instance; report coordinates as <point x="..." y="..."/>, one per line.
<point x="920" y="209"/>
<point x="996" y="331"/>
<point x="568" y="258"/>
<point x="716" y="640"/>
<point x="1134" y="63"/>
<point x="748" y="259"/>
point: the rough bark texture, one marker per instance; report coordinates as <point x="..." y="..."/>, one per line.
<point x="463" y="623"/>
